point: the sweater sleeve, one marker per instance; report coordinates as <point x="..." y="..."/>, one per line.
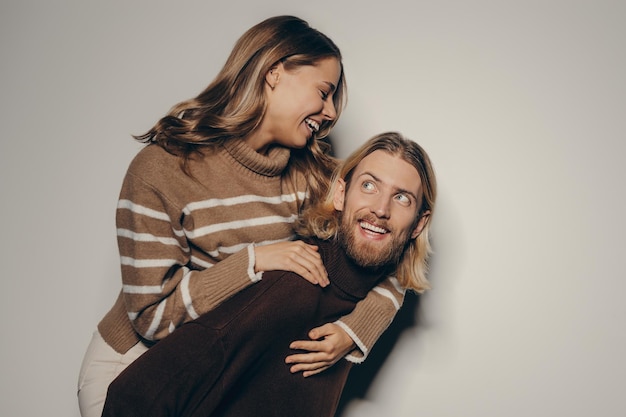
<point x="371" y="317"/>
<point x="163" y="286"/>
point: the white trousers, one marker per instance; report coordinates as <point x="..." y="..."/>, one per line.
<point x="101" y="365"/>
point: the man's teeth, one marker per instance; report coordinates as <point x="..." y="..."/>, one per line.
<point x="371" y="227"/>
<point x="313" y="125"/>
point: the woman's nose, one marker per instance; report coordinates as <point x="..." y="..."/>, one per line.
<point x="329" y="111"/>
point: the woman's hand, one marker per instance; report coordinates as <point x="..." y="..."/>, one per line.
<point x="296" y="256"/>
<point x="328" y="344"/>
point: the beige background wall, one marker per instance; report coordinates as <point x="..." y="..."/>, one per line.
<point x="521" y="104"/>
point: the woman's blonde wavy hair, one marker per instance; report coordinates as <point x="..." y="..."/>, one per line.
<point x="322" y="219"/>
<point x="233" y="105"/>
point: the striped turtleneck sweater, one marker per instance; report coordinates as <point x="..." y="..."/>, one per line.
<point x="186" y="241"/>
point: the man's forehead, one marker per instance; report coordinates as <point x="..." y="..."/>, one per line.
<point x="391" y="170"/>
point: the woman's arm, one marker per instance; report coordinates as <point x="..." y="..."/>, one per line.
<point x="353" y="335"/>
<point x="163" y="285"/>
<point x="166" y="284"/>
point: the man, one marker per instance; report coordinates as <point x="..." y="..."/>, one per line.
<point x="229" y="362"/>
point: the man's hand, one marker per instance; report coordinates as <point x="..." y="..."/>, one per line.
<point x="328" y="344"/>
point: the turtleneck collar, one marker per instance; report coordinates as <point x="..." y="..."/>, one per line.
<point x="344" y="273"/>
<point x="270" y="165"/>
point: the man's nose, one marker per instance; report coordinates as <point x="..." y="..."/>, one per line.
<point x="381" y="207"/>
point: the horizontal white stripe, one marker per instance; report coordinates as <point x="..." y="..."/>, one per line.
<point x="233" y="249"/>
<point x="227" y="249"/>
<point x="270" y="242"/>
<point x="142" y="289"/>
<point x="200" y="262"/>
<point x="147" y="237"/>
<point x="242" y="199"/>
<point x="147" y="263"/>
<point x="143" y="210"/>
<point x="238" y="224"/>
<point x="386" y="293"/>
<point x="236" y="248"/>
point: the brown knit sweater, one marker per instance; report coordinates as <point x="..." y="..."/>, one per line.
<point x="186" y="242"/>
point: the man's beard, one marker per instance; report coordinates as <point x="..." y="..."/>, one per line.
<point x="369" y="254"/>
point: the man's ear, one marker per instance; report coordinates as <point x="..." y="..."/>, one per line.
<point x="273" y="75"/>
<point x="421" y="223"/>
<point x="339" y="195"/>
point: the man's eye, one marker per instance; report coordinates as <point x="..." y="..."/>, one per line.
<point x="403" y="199"/>
<point x="368" y="186"/>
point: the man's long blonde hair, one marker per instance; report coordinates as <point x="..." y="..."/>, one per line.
<point x="322" y="219"/>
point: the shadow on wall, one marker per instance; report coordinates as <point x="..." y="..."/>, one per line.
<point x="361" y="376"/>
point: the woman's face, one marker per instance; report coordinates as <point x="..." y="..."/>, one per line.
<point x="299" y="100"/>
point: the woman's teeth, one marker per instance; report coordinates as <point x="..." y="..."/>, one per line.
<point x="312" y="124"/>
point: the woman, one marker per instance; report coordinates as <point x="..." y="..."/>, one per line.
<point x="211" y="200"/>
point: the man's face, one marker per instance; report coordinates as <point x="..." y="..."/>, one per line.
<point x="379" y="211"/>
